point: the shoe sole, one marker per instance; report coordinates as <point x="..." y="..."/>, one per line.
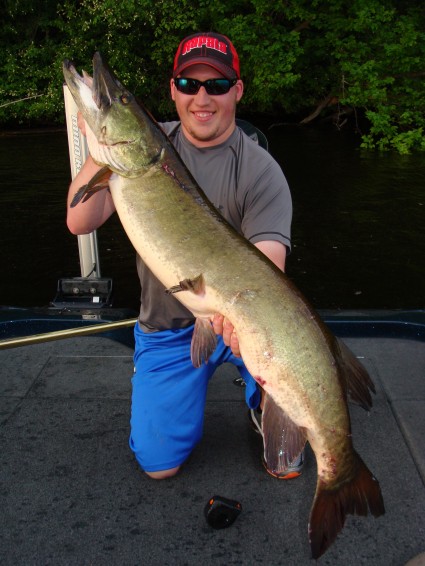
<point x="285" y="476"/>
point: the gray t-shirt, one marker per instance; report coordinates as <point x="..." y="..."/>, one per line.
<point x="249" y="189"/>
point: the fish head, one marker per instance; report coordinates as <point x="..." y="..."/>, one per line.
<point x="121" y="134"/>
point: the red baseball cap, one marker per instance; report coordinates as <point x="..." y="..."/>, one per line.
<point x="208" y="48"/>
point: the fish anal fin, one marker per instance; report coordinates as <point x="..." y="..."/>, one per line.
<point x="283" y="439"/>
<point x="195" y="285"/>
<point x="331" y="505"/>
<point x="355" y="377"/>
<point x="204" y="342"/>
<point x="97" y="183"/>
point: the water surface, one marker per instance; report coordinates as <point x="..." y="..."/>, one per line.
<point x="358" y="230"/>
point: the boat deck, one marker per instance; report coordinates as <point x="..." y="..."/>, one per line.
<point x="72" y="493"/>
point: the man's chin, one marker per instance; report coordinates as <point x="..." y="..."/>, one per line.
<point x="204" y="133"/>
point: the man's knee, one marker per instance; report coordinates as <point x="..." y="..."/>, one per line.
<point x="163" y="474"/>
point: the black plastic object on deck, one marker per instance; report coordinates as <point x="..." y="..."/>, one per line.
<point x="221" y="512"/>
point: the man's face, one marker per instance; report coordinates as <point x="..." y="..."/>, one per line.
<point x="206" y="119"/>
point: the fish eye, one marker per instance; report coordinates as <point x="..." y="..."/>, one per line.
<point x="125" y="98"/>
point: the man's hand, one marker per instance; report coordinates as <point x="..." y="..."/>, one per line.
<point x="222" y="326"/>
<point x="81" y="123"/>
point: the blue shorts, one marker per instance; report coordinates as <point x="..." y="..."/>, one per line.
<point x="168" y="398"/>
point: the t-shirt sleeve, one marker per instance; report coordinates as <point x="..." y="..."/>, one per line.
<point x="169" y="127"/>
<point x="267" y="204"/>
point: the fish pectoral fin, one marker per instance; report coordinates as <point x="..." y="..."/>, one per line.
<point x="283" y="439"/>
<point x="204" y="342"/>
<point x="356" y="379"/>
<point x="196" y="285"/>
<point x="97" y="183"/>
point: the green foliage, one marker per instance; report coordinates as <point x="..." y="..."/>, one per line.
<point x="299" y="58"/>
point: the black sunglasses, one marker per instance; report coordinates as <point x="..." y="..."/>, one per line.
<point x="212" y="86"/>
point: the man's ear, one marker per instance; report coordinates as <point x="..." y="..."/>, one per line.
<point x="239" y="90"/>
<point x="172" y="89"/>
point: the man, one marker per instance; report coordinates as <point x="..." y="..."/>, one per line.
<point x="248" y="187"/>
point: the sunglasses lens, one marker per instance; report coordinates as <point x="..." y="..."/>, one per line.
<point x="187" y="86"/>
<point x="213" y="87"/>
<point x="218" y="86"/>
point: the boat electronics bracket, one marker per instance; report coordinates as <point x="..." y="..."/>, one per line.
<point x="83" y="293"/>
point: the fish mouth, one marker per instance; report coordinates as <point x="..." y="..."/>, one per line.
<point x="96" y="95"/>
<point x="104" y="86"/>
<point x="78" y="84"/>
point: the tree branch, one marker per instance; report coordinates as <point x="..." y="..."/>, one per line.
<point x="330" y="99"/>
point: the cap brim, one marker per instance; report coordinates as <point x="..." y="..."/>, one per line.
<point x="226" y="71"/>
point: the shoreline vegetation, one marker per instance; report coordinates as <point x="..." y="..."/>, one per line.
<point x="355" y="66"/>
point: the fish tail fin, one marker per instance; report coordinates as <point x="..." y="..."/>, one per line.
<point x="331" y="505"/>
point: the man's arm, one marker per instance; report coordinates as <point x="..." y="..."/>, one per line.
<point x="88" y="216"/>
<point x="275" y="251"/>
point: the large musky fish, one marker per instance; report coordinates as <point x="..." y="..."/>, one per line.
<point x="305" y="371"/>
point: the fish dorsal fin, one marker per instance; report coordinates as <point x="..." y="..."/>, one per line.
<point x="97" y="183"/>
<point x="204" y="342"/>
<point x="355" y="378"/>
<point x="283" y="439"/>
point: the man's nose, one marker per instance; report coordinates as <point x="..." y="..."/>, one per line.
<point x="202" y="96"/>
